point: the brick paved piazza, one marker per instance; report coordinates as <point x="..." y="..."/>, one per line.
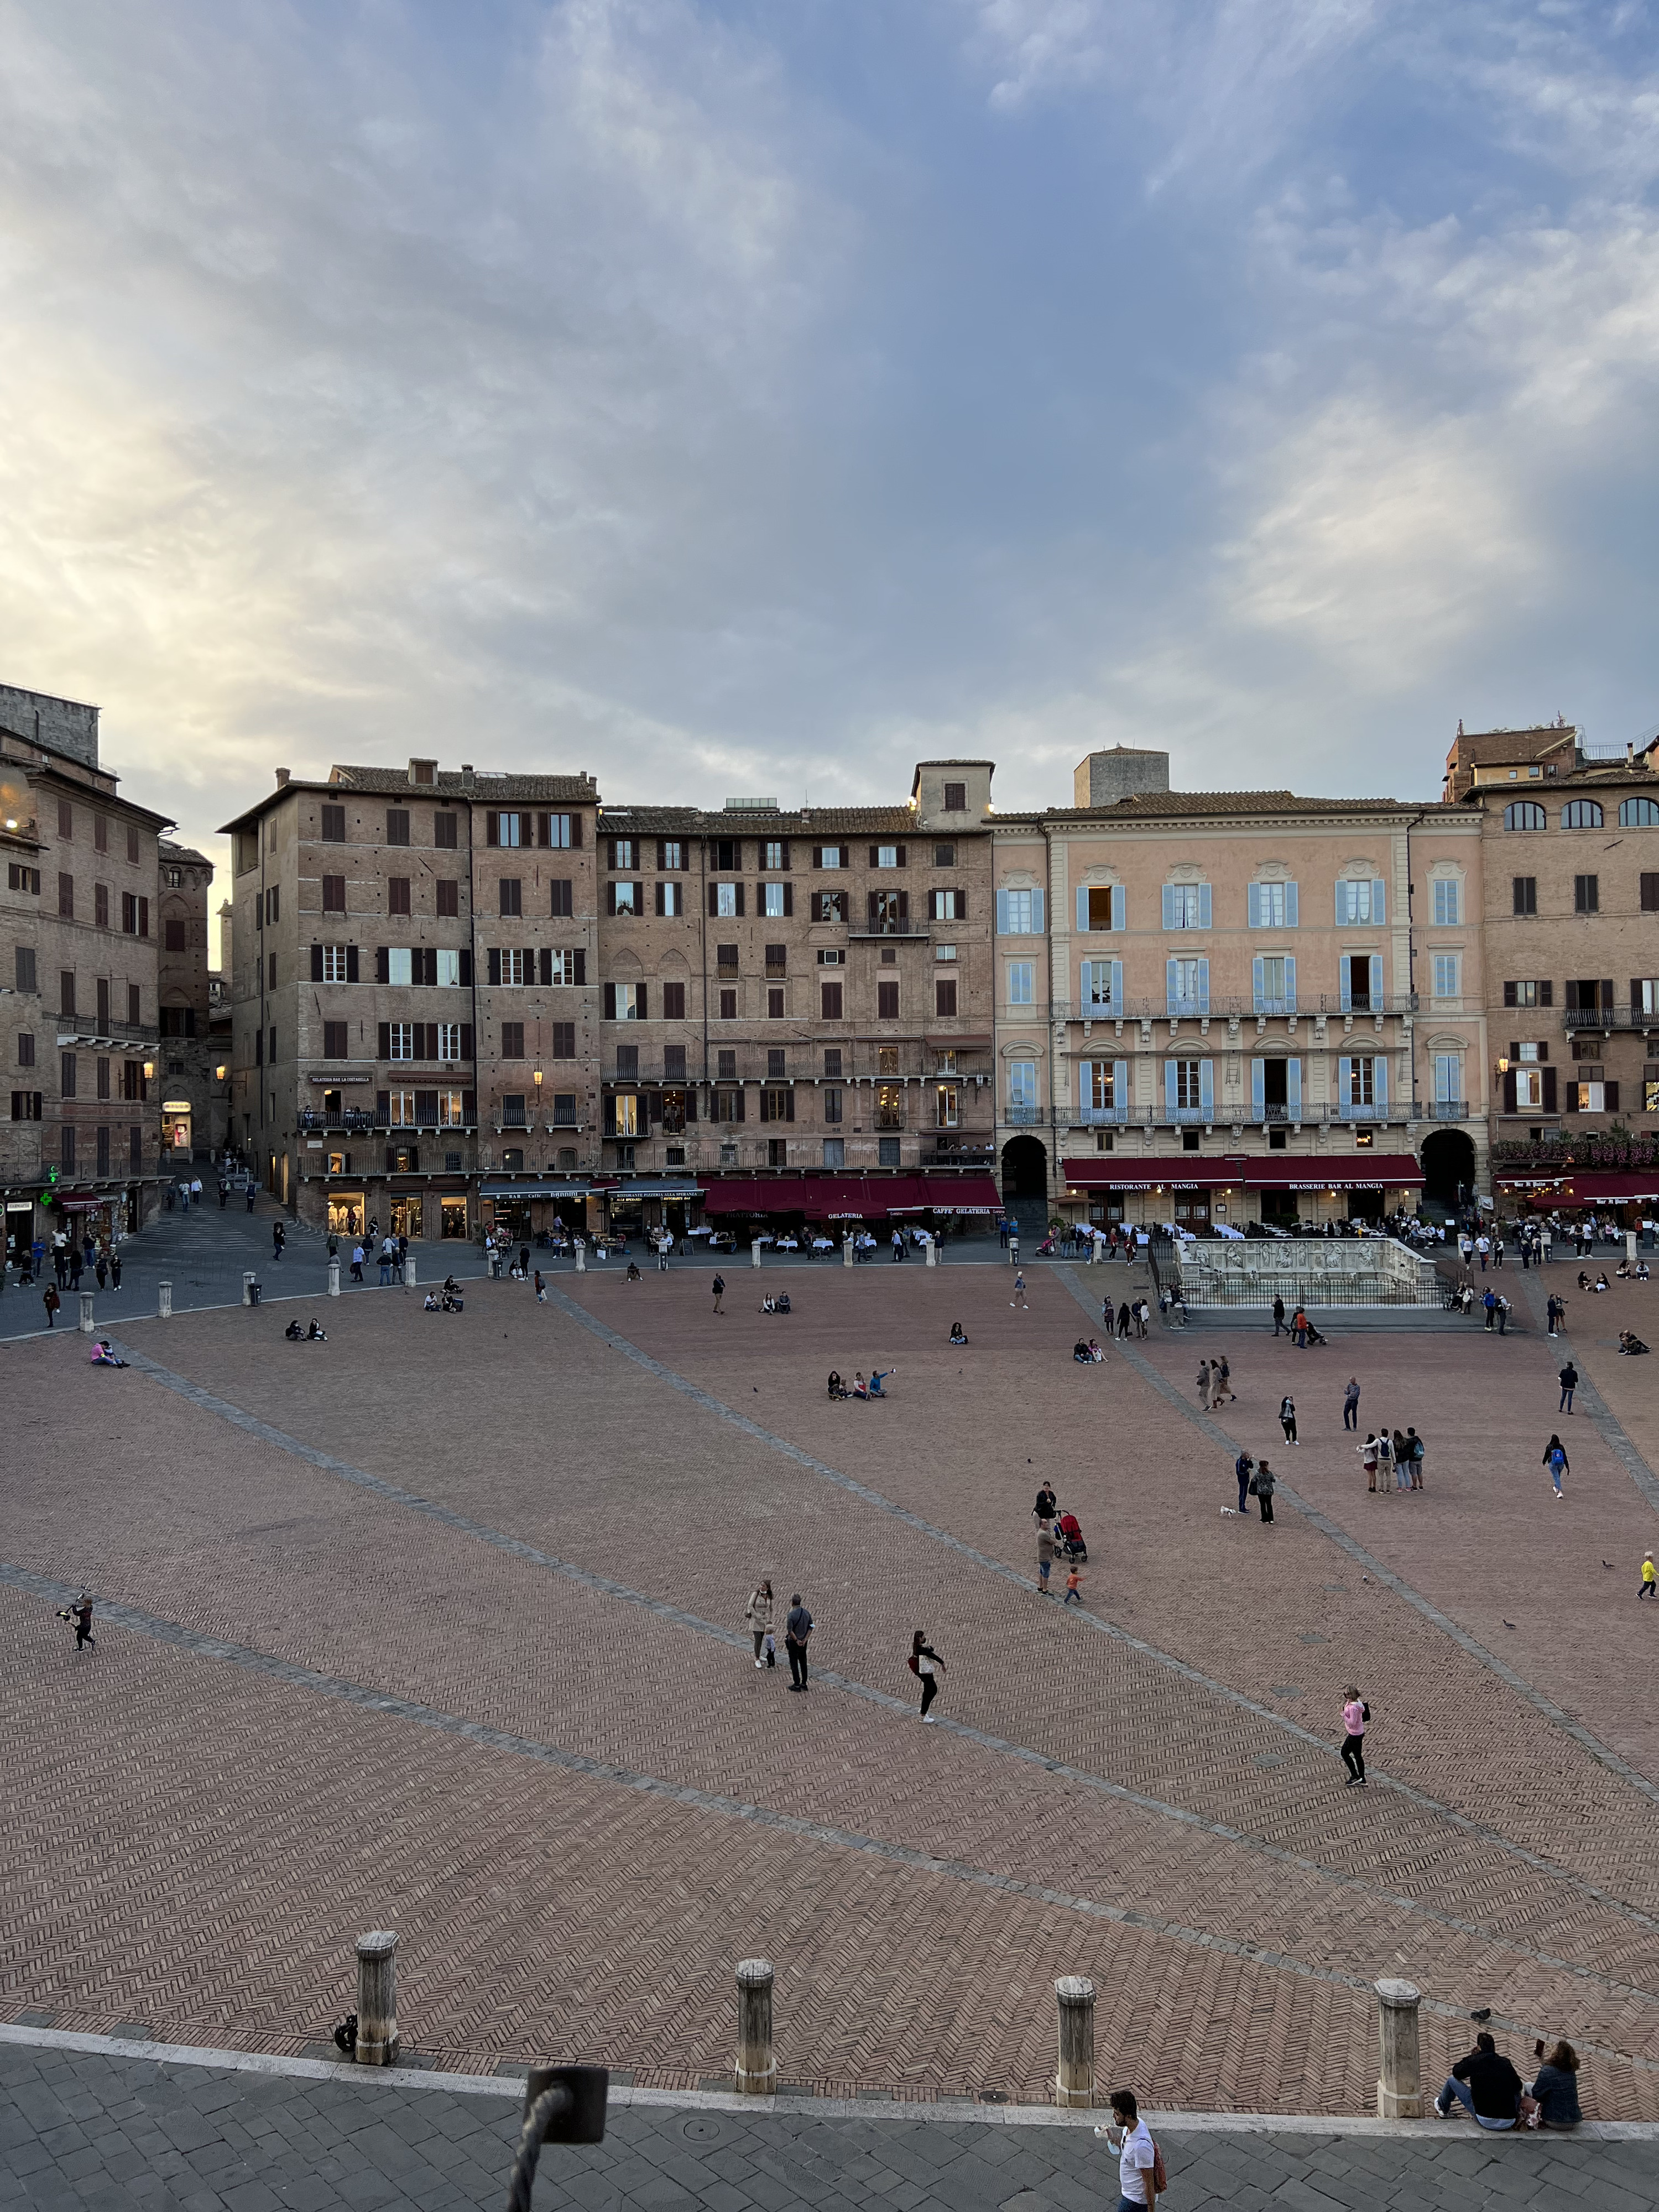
<point x="440" y="1627"/>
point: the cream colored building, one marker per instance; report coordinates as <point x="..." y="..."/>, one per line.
<point x="1230" y="1006"/>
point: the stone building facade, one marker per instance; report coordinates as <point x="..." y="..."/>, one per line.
<point x="194" y="1114"/>
<point x="79" y="1142"/>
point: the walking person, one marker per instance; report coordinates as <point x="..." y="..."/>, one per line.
<point x="1073" y="1587"/>
<point x="1244" y="1469"/>
<point x="1139" y="2162"/>
<point x="1649" y="1577"/>
<point x="1555" y="1458"/>
<point x="1221" y="1383"/>
<point x="1569" y="1381"/>
<point x="115" y="1270"/>
<point x="1019" y="1298"/>
<point x="252" y="1194"/>
<point x="797" y="1628"/>
<point x="758" y="1616"/>
<point x="278" y="1238"/>
<point x="1204" y="1384"/>
<point x="51" y="1302"/>
<point x="81" y="1613"/>
<point x="1356" y="1713"/>
<point x="719" y="1291"/>
<point x="926" y="1663"/>
<point x="1350" y="1405"/>
<point x="541" y="1289"/>
<point x="1287" y="1417"/>
<point x="1123" y="1319"/>
<point x="1279" y="1316"/>
<point x="1045" y="1551"/>
<point x="1263" y="1483"/>
<point x="356" y="1263"/>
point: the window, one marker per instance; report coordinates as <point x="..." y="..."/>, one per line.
<point x="563" y="831"/>
<point x="504" y="828"/>
<point x="830" y="1002"/>
<point x="333" y="825"/>
<point x="621" y="853"/>
<point x="834" y="1148"/>
<point x="1586" y="894"/>
<point x="511" y="1040"/>
<point x="1524" y="814"/>
<point x="134" y="997"/>
<point x="887" y="856"/>
<point x="725" y="1064"/>
<point x="1022" y="981"/>
<point x="829" y="905"/>
<point x="628" y="1060"/>
<point x="1596" y="1097"/>
<point x="66" y="896"/>
<point x="624" y="1002"/>
<point x="1273" y="980"/>
<point x="1449" y="1078"/>
<point x="510" y="965"/>
<point x="1529" y="994"/>
<point x="944" y="856"/>
<point x="728" y="854"/>
<point x="1019" y="913"/>
<point x="1638" y="813"/>
<point x="1359" y="901"/>
<point x="673" y="1062"/>
<point x="19" y="879"/>
<point x="830" y="856"/>
<point x="23" y="960"/>
<point x="833" y="1106"/>
<point x="956" y="799"/>
<point x="336" y="963"/>
<point x="397" y="895"/>
<point x="777" y="1105"/>
<point x="728" y="1006"/>
<point x="337" y="1040"/>
<point x="134" y="913"/>
<point x="1529" y="1088"/>
<point x="777" y="900"/>
<point x="1186" y="1086"/>
<point x="947" y="1105"/>
<point x="887" y="1001"/>
<point x="1650" y="885"/>
<point x="26" y="1105"/>
<point x="66" y="990"/>
<point x="1186" y="905"/>
<point x="889" y="1106"/>
<point x="510" y="889"/>
<point x="890" y="1151"/>
<point x="400" y="1039"/>
<point x="948" y="905"/>
<point x="725" y="900"/>
<point x="1645" y="994"/>
<point x="1022" y="1086"/>
<point x="833" y="956"/>
<point x="673" y="1002"/>
<point x="567" y="968"/>
<point x="1447" y="903"/>
<point x="1524" y="889"/>
<point x="1100" y="987"/>
<point x="65" y="819"/>
<point x="1581" y="814"/>
<point x="945" y="953"/>
<point x="945" y="996"/>
<point x="1356" y="1081"/>
<point x="1448" y="982"/>
<point x="1189" y="987"/>
<point x="774" y="1005"/>
<point x="25" y="1049"/>
<point x="400" y="963"/>
<point x="624" y="898"/>
<point x="1649" y="1088"/>
<point x="775" y="855"/>
<point x="670" y="899"/>
<point x="777" y="959"/>
<point x="132" y="842"/>
<point x="66" y="1149"/>
<point x="66" y="1071"/>
<point x="513" y="1112"/>
<point x="444" y="828"/>
<point x="887" y="1059"/>
<point x="671" y="852"/>
<point x="397" y="825"/>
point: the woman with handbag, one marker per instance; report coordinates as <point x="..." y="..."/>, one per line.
<point x="1263" y="1485"/>
<point x="759" y="1618"/>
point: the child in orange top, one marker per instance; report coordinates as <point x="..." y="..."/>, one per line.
<point x="1073" y="1594"/>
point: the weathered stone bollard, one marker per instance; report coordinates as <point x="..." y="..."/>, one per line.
<point x="754" y="1253"/>
<point x="248" y="1280"/>
<point x="1399" y="2084"/>
<point x="756" y="2067"/>
<point x="581" y="1257"/>
<point x="846" y="1251"/>
<point x="932" y="1251"/>
<point x="409" y="1272"/>
<point x="86" y="1313"/>
<point x="334" y="1278"/>
<point x="164" y="1301"/>
<point x="378" y="2042"/>
<point x="1074" y="2079"/>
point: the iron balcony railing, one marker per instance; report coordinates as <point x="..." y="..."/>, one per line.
<point x="1303" y="1006"/>
<point x="1612" y="1018"/>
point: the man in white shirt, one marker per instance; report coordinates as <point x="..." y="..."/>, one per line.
<point x="1137" y="2154"/>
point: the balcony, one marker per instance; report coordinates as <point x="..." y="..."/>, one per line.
<point x="1610" y="1017"/>
<point x="1445" y="1109"/>
<point x="1349" y="1110"/>
<point x="1303" y="1006"/>
<point x="99" y="1030"/>
<point x="1100" y="1117"/>
<point x="876" y="926"/>
<point x="1024" y="1117"/>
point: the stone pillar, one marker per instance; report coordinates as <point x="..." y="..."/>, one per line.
<point x="754" y="1253"/>
<point x="1630" y="1246"/>
<point x="164" y="1301"/>
<point x="248" y="1280"/>
<point x="409" y="1272"/>
<point x="581" y="1257"/>
<point x="1399" y="2084"/>
<point x="334" y="1278"/>
<point x="932" y="1251"/>
<point x="756" y="2067"/>
<point x="86" y="1313"/>
<point x="1074" y="2080"/>
<point x="847" y="1251"/>
<point x="378" y="2042"/>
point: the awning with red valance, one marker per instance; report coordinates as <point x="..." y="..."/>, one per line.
<point x="852" y="1198"/>
<point x="1582" y="1186"/>
<point x="968" y="1194"/>
<point x="1250" y="1171"/>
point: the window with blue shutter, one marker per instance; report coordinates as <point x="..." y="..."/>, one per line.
<point x="1377" y="983"/>
<point x="1204" y="906"/>
<point x="1207" y="1089"/>
<point x="1120" y="1088"/>
<point x="1258" y="1089"/>
<point x="1293" y="1090"/>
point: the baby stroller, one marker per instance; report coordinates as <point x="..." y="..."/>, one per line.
<point x="1071" y="1536"/>
<point x="1314" y="1336"/>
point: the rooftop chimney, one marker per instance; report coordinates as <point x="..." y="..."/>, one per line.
<point x="282" y="779"/>
<point x="466" y="774"/>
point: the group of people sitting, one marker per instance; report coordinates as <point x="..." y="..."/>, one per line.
<point x="450" y="1300"/>
<point x="1495" y="2097"/>
<point x="1626" y="1273"/>
<point x="1629" y="1342"/>
<point x="104" y="1354"/>
<point x="297" y="1332"/>
<point x="1600" y="1283"/>
<point x="1087" y="1352"/>
<point x="780" y="1304"/>
<point x="859" y="1387"/>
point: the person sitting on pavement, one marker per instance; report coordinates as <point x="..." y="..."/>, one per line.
<point x="1601" y="1282"/>
<point x="1095" y="1352"/>
<point x="1629" y="1342"/>
<point x="1554" y="2089"/>
<point x="1080" y="1352"/>
<point x="837" y="1388"/>
<point x="104" y="1354"/>
<point x="860" y="1387"/>
<point x="431" y="1303"/>
<point x="1585" y="1283"/>
<point x="958" y="1333"/>
<point x="1486" y="2085"/>
<point x="1641" y="1270"/>
<point x="878" y="1376"/>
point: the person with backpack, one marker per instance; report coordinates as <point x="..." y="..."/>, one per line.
<point x="1555" y="1458"/>
<point x="926" y="1664"/>
<point x="1356" y="1713"/>
<point x="1142" y="2178"/>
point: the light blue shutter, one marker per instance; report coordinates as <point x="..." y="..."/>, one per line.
<point x="1204" y="906"/>
<point x="1345" y="974"/>
<point x="1170" y="984"/>
<point x="1377" y="915"/>
<point x="1290" y="906"/>
<point x="1169" y="906"/>
<point x="1290" y="987"/>
<point x="1084" y="1085"/>
<point x="1344" y="1082"/>
<point x="1258" y="983"/>
<point x="1121" y="1087"/>
<point x="1380" y="1085"/>
<point x="1002" y="914"/>
<point x="1341" y="903"/>
<point x="1203" y="987"/>
<point x="1117" y="986"/>
<point x="1377" y="983"/>
<point x="1118" y="921"/>
<point x="1084" y="989"/>
<point x="1252" y="907"/>
<point x="1036" y="914"/>
<point x="1293" y="1088"/>
<point x="1169" y="1091"/>
<point x="1207" y="1088"/>
<point x="1258" y="1091"/>
<point x="1083" y="910"/>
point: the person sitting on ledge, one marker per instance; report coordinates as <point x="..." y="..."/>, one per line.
<point x="1555" y="2090"/>
<point x="958" y="1333"/>
<point x="1485" y="2085"/>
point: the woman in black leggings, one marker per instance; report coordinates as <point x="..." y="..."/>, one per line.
<point x="925" y="1662"/>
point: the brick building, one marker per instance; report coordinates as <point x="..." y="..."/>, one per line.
<point x="1571" y="928"/>
<point x="194" y="1094"/>
<point x="78" y="978"/>
<point x="1233" y="1006"/>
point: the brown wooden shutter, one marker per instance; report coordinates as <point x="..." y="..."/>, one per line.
<point x="1543" y="1052"/>
<point x="904" y="903"/>
<point x="383" y="1100"/>
<point x="740" y="902"/>
<point x="545" y="963"/>
<point x="317" y="967"/>
<point x="903" y="855"/>
<point x="611" y="1002"/>
<point x="639" y="898"/>
<point x="385" y="1041"/>
<point x="789" y="896"/>
<point x="576" y="831"/>
<point x="581" y="967"/>
<point x="645" y="989"/>
<point x="382" y="964"/>
<point x="351" y="963"/>
<point x="466" y="1039"/>
<point x="789" y="1105"/>
<point x="714" y="900"/>
<point x="492" y="828"/>
<point x="543" y="828"/>
<point x="1610" y="1096"/>
<point x="740" y="1100"/>
<point x="494" y="957"/>
<point x="1549" y="1091"/>
<point x="1607" y="991"/>
<point x="875" y="852"/>
<point x="1508" y="1091"/>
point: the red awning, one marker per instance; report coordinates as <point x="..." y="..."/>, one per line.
<point x="820" y="1198"/>
<point x="1586" y="1186"/>
<point x="969" y="1193"/>
<point x="1253" y="1171"/>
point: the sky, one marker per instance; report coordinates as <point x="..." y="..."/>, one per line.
<point x="732" y="399"/>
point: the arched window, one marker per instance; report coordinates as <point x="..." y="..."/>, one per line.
<point x="1582" y="814"/>
<point x="1638" y="813"/>
<point x="1524" y="814"/>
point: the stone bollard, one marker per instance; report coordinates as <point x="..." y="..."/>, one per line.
<point x="1630" y="1246"/>
<point x="932" y="1251"/>
<point x="846" y="1251"/>
<point x="409" y="1272"/>
<point x="756" y="2067"/>
<point x="754" y="1253"/>
<point x="334" y="1278"/>
<point x="581" y="1257"/>
<point x="1074" y="2079"/>
<point x="1399" y="2084"/>
<point x="86" y="1313"/>
<point x="378" y="2042"/>
<point x="164" y="1301"/>
<point x="248" y="1281"/>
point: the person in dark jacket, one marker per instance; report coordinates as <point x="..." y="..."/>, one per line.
<point x="797" y="1627"/>
<point x="1485" y="2085"/>
<point x="1556" y="2088"/>
<point x="1263" y="1484"/>
<point x="926" y="1665"/>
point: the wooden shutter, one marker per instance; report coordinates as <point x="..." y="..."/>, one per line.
<point x="467" y="969"/>
<point x="581" y="967"/>
<point x="351" y="963"/>
<point x="788" y="890"/>
<point x="904" y="905"/>
<point x="713" y="900"/>
<point x="1252" y="909"/>
<point x="383" y="1101"/>
<point x="874" y="853"/>
<point x="1610" y="1096"/>
<point x="662" y="892"/>
<point x="576" y="831"/>
<point x="1169" y="906"/>
<point x="466" y="1039"/>
<point x="382" y="964"/>
<point x="316" y="968"/>
<point x="611" y="1002"/>
<point x="492" y="828"/>
<point x="644" y="991"/>
<point x="544" y="829"/>
<point x="789" y="1104"/>
<point x="544" y="963"/>
<point x="494" y="957"/>
<point x="1378" y="913"/>
<point x="639" y="898"/>
<point x="1083" y="909"/>
<point x="385" y="1041"/>
<point x="1508" y="1090"/>
<point x="739" y="890"/>
<point x="830" y="995"/>
<point x="1204" y="906"/>
<point x="903" y="855"/>
<point x="1606" y="990"/>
